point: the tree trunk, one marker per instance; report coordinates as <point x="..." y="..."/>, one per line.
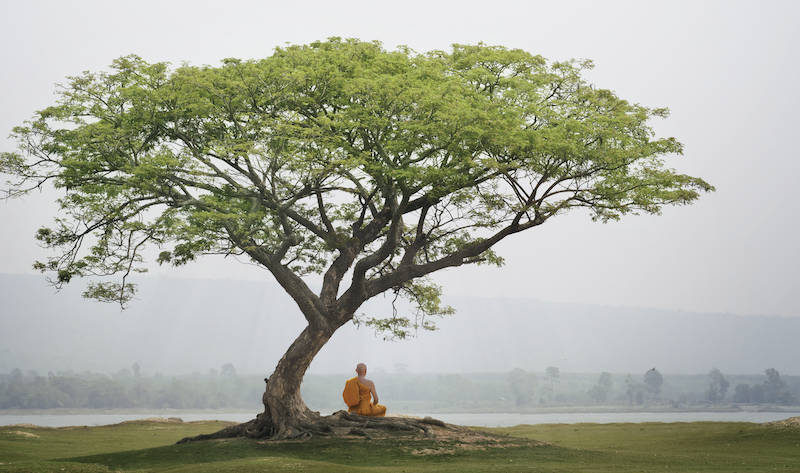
<point x="285" y="414"/>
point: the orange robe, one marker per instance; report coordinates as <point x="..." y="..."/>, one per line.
<point x="365" y="407"/>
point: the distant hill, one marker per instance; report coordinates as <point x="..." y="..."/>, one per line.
<point x="184" y="325"/>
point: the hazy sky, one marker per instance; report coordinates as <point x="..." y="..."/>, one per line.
<point x="727" y="70"/>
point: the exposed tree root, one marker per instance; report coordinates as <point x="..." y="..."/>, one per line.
<point x="339" y="424"/>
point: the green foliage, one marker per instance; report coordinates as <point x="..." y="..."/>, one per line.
<point x="337" y="157"/>
<point x="426" y="298"/>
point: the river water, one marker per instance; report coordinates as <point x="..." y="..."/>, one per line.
<point x="478" y="420"/>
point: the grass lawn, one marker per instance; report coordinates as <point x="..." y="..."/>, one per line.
<point x="150" y="446"/>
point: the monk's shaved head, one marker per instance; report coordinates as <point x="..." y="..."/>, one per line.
<point x="361" y="368"/>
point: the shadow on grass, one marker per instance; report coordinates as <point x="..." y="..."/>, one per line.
<point x="406" y="452"/>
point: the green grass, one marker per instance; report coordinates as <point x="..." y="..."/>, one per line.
<point x="695" y="446"/>
<point x="150" y="446"/>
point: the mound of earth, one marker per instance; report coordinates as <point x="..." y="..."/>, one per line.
<point x="346" y="425"/>
<point x="792" y="422"/>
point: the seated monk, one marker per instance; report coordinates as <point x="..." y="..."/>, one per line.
<point x="357" y="392"/>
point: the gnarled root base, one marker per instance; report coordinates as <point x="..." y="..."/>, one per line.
<point x="339" y="423"/>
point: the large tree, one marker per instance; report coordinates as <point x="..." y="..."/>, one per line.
<point x="374" y="168"/>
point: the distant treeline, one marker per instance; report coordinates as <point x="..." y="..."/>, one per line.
<point x="128" y="389"/>
<point x="225" y="389"/>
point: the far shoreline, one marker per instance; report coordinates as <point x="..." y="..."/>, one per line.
<point x="404" y="410"/>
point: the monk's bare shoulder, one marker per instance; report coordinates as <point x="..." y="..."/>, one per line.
<point x="368" y="383"/>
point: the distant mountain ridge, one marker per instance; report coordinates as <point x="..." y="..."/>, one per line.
<point x="184" y="325"/>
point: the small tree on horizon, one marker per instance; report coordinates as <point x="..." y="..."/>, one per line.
<point x="605" y="380"/>
<point x="523" y="385"/>
<point x="373" y="168"/>
<point x="653" y="380"/>
<point x="776" y="389"/>
<point x="552" y="374"/>
<point x="717" y="386"/>
<point x="634" y="391"/>
<point x="600" y="391"/>
<point x="228" y="370"/>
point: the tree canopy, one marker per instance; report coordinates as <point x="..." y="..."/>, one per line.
<point x="717" y="386"/>
<point x="653" y="380"/>
<point x="374" y="168"/>
<point x="522" y="384"/>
